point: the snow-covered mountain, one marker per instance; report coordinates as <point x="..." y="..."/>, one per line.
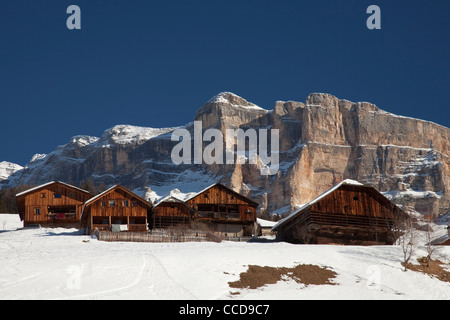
<point x="7" y="169"/>
<point x="322" y="142"/>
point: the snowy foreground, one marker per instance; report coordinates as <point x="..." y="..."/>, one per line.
<point x="62" y="264"/>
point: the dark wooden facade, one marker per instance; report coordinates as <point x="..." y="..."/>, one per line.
<point x="54" y="204"/>
<point x="219" y="203"/>
<point x="349" y="213"/>
<point x="116" y="207"/>
<point x="171" y="212"/>
<point x="217" y="207"/>
<point x="226" y="211"/>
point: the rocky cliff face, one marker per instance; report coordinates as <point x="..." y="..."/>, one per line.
<point x="322" y="142"/>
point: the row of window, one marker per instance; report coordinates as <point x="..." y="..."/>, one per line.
<point x="119" y="220"/>
<point x="109" y="203"/>
<point x="67" y="212"/>
<point x="118" y="203"/>
<point x="55" y="195"/>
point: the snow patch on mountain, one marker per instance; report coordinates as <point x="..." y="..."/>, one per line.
<point x="38" y="157"/>
<point x="234" y="100"/>
<point x="7" y="169"/>
<point x="82" y="141"/>
<point x="128" y="134"/>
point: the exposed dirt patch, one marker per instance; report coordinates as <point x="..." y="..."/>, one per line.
<point x="257" y="276"/>
<point x="435" y="269"/>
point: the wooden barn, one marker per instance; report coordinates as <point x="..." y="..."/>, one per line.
<point x="224" y="211"/>
<point x="171" y="212"/>
<point x="348" y="213"/>
<point x="54" y="204"/>
<point x="116" y="209"/>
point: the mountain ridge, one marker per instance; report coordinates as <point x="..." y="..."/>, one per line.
<point x="322" y="141"/>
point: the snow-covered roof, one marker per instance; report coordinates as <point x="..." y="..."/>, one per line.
<point x="323" y="195"/>
<point x="112" y="188"/>
<point x="193" y="195"/>
<point x="99" y="195"/>
<point x="440" y="240"/>
<point x="169" y="198"/>
<point x="105" y="192"/>
<point x="265" y="223"/>
<point x="213" y="185"/>
<point x="47" y="184"/>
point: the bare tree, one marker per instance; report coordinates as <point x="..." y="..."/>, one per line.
<point x="407" y="241"/>
<point x="430" y="248"/>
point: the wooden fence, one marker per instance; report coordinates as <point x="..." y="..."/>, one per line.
<point x="165" y="235"/>
<point x="158" y="236"/>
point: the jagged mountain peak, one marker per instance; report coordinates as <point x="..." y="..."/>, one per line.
<point x="229" y="98"/>
<point x="229" y="107"/>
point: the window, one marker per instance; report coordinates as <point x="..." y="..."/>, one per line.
<point x="137" y="220"/>
<point x="112" y="203"/>
<point x="134" y="204"/>
<point x="205" y="211"/>
<point x="37" y="211"/>
<point x="57" y="195"/>
<point x="43" y="195"/>
<point x="125" y="203"/>
<point x="100" y="220"/>
<point x="103" y="204"/>
<point x="233" y="213"/>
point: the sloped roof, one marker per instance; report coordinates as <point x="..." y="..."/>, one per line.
<point x="48" y="184"/>
<point x="223" y="186"/>
<point x="97" y="197"/>
<point x="442" y="239"/>
<point x="323" y="195"/>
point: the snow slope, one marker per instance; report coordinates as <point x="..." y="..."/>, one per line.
<point x="62" y="264"/>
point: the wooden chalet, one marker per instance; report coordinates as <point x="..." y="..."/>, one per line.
<point x="224" y="211"/>
<point x="171" y="212"/>
<point x="54" y="204"/>
<point x="265" y="227"/>
<point x="348" y="213"/>
<point x="116" y="209"/>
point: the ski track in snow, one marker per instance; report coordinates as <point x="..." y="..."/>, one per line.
<point x="153" y="282"/>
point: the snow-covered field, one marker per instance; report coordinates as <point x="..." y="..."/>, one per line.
<point x="62" y="264"/>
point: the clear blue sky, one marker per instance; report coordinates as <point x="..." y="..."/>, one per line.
<point x="154" y="63"/>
